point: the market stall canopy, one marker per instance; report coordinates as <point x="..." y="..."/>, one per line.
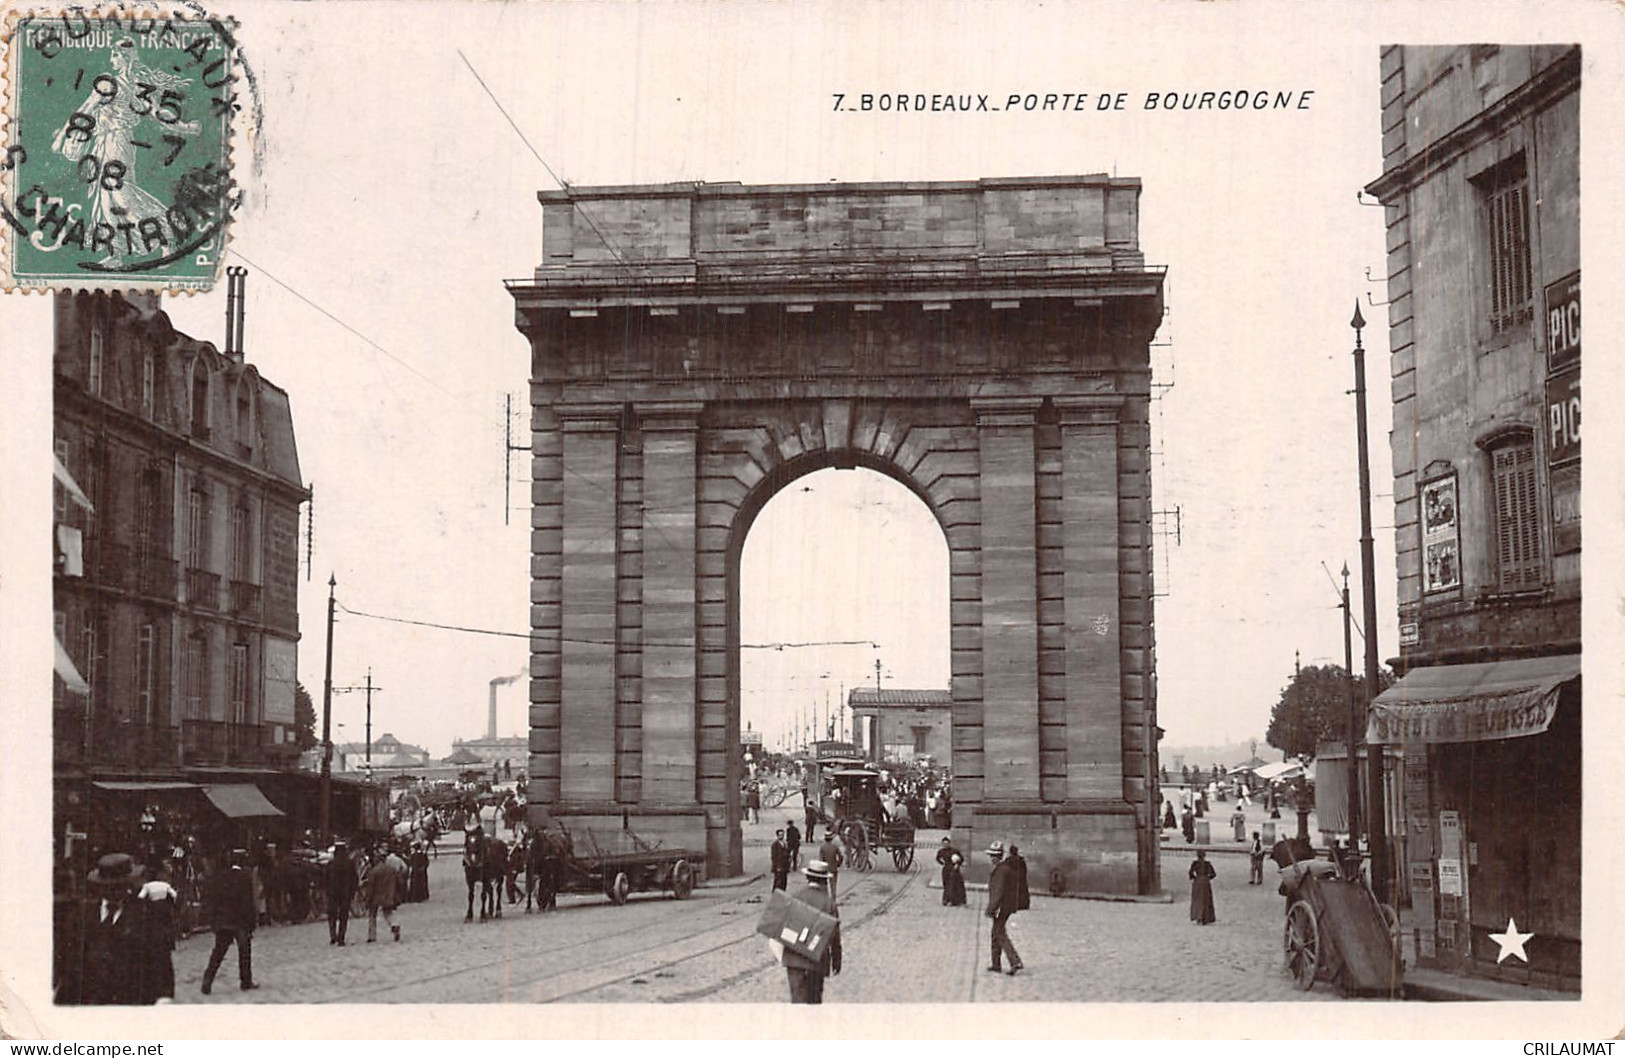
<point x="69" y="672"/>
<point x="1471" y="703"/>
<point x="240" y="801"/>
<point x="1284" y="769"/>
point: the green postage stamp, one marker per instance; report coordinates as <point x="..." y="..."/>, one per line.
<point x="117" y="151"/>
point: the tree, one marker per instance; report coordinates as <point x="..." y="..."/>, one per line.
<point x="1314" y="708"/>
<point x="304" y="718"/>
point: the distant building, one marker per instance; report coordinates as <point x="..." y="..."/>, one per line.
<point x="1481" y="184"/>
<point x="512" y="751"/>
<point x="387" y="751"/>
<point x="902" y="725"/>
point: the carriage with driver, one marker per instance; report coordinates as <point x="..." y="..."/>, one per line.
<point x="844" y="793"/>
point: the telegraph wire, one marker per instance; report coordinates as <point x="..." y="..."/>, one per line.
<point x="285" y="286"/>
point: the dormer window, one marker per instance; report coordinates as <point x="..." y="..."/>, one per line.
<point x="200" y="400"/>
<point x="149" y="386"/>
<point x="97" y="351"/>
<point x="245" y="417"/>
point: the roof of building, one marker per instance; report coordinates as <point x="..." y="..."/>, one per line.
<point x="898" y="696"/>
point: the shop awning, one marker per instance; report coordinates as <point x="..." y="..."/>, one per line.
<point x="69" y="672"/>
<point x="143" y="787"/>
<point x="240" y="800"/>
<point x="65" y="479"/>
<point x="1471" y="703"/>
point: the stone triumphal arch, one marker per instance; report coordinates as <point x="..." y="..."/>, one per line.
<point x="695" y="347"/>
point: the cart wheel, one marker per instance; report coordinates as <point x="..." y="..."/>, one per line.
<point x="618" y="888"/>
<point x="682" y="880"/>
<point x="903" y="857"/>
<point x="774" y="798"/>
<point x="1302" y="944"/>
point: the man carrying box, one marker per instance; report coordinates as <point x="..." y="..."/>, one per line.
<point x="806" y="971"/>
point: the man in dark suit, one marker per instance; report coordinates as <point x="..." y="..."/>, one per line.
<point x="781" y="861"/>
<point x="1003" y="898"/>
<point x="807" y="975"/>
<point x="792" y="841"/>
<point x="231" y="913"/>
<point x="341" y="883"/>
<point x="830" y="853"/>
<point x="114" y="953"/>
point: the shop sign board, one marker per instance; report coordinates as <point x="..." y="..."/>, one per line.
<point x="1563" y="321"/>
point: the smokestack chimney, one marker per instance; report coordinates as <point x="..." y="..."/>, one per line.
<point x="491" y="721"/>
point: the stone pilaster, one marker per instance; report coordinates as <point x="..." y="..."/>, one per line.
<point x="670" y="469"/>
<point x="1089" y="514"/>
<point x="1009" y="598"/>
<point x="591" y="443"/>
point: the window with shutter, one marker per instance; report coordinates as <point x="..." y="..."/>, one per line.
<point x="1506" y="199"/>
<point x="1517" y="517"/>
<point x="197" y="677"/>
<point x="145" y="659"/>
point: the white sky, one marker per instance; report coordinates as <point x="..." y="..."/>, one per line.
<point x="396" y="196"/>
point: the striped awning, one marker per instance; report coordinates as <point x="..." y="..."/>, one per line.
<point x="1482" y="702"/>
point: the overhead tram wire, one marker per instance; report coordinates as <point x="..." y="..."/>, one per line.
<point x="235" y="252"/>
<point x="595" y="642"/>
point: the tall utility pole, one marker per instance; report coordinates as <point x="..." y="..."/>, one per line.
<point x="370" y="688"/>
<point x="1374" y="815"/>
<point x="1353" y="714"/>
<point x="327" y="721"/>
<point x="877" y="675"/>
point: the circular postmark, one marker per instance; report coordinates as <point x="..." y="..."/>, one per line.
<point x="117" y="168"/>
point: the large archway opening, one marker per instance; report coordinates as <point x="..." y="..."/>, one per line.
<point x="842" y="584"/>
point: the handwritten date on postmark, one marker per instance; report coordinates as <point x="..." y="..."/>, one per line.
<point x="116" y="172"/>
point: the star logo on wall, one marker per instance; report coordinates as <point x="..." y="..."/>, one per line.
<point x="1511" y="942"/>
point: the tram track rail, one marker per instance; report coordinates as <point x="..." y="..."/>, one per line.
<point x="521" y="966"/>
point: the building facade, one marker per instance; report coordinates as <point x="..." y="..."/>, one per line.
<point x="1482" y="197"/>
<point x="697" y="347"/>
<point x="901" y="725"/>
<point x="177" y="516"/>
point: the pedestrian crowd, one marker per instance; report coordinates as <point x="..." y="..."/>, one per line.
<point x="115" y="935"/>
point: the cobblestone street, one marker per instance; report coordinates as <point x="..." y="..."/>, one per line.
<point x="902" y="946"/>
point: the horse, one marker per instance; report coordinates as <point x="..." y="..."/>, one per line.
<point x="492" y="877"/>
<point x="474" y="856"/>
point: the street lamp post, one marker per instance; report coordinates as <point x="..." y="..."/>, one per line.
<point x="1353" y="714"/>
<point x="327" y="721"/>
<point x="1374" y="814"/>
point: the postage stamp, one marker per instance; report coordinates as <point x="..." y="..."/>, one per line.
<point x="117" y="168"/>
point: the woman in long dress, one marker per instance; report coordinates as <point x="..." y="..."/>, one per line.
<point x="953" y="880"/>
<point x="1202" y="874"/>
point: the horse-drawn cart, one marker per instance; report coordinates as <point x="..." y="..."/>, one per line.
<point x="1336" y="929"/>
<point x="846" y="797"/>
<point x="628" y="865"/>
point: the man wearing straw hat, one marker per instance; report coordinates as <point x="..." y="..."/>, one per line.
<point x="115" y="959"/>
<point x="1003" y="900"/>
<point x="807" y="975"/>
